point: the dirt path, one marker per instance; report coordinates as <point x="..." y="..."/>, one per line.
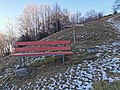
<point x="115" y="23"/>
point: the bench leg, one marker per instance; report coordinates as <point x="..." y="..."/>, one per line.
<point x="22" y="70"/>
<point x="22" y="61"/>
<point x="63" y="59"/>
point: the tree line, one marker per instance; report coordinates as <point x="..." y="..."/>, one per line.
<point x="39" y="21"/>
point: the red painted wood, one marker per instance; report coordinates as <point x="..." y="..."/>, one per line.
<point x="43" y="42"/>
<point x="42" y="53"/>
<point x="52" y="50"/>
<point x="42" y="48"/>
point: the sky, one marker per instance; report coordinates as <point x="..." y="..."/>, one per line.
<point x="10" y="9"/>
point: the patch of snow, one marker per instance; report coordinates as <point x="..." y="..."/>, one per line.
<point x="115" y="23"/>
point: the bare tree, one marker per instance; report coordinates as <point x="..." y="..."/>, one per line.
<point x="35" y="18"/>
<point x="72" y="18"/>
<point x="10" y="37"/>
<point x="77" y="17"/>
<point x="2" y="43"/>
<point x="11" y="33"/>
<point x="65" y="18"/>
<point x="100" y="15"/>
<point x="93" y="15"/>
<point x="82" y="19"/>
<point x="56" y="18"/>
<point x="45" y="15"/>
<point x="116" y="6"/>
<point x="30" y="22"/>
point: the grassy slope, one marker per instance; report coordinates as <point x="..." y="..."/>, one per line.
<point x="104" y="85"/>
<point x="94" y="33"/>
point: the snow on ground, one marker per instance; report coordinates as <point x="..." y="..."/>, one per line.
<point x="115" y="23"/>
<point x="82" y="76"/>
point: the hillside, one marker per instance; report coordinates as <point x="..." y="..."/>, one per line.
<point x="96" y="58"/>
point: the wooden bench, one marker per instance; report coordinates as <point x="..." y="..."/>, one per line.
<point x="42" y="48"/>
<point x="39" y="48"/>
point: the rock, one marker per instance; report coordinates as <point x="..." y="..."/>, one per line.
<point x="92" y="50"/>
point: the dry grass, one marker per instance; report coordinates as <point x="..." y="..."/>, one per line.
<point x="104" y="85"/>
<point x="92" y="34"/>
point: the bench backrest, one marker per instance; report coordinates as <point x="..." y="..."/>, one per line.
<point x="42" y="46"/>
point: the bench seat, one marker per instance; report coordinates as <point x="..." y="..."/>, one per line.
<point x="42" y="53"/>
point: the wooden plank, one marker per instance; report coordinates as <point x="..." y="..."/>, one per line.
<point x="42" y="48"/>
<point x="42" y="42"/>
<point x="42" y="53"/>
